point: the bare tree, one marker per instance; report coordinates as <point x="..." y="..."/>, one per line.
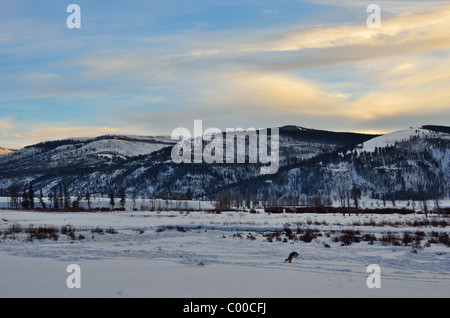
<point x="133" y="198"/>
<point x="88" y="198"/>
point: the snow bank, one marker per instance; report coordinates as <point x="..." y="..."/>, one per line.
<point x="219" y="255"/>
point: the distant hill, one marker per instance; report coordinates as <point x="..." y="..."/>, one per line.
<point x="406" y="164"/>
<point x="4" y="151"/>
<point x="324" y="136"/>
<point x="444" y="129"/>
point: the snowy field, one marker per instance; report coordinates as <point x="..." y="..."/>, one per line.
<point x="232" y="254"/>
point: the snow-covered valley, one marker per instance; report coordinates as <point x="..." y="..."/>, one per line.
<point x="231" y="254"/>
<point x="166" y="244"/>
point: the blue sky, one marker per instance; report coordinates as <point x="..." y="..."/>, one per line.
<point x="148" y="67"/>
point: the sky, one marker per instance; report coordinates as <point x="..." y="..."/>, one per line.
<point x="148" y="67"/>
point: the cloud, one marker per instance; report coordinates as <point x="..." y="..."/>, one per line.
<point x="321" y="46"/>
<point x="19" y="134"/>
<point x="168" y="58"/>
<point x="267" y="11"/>
<point x="426" y="72"/>
<point x="390" y="6"/>
<point x="271" y="94"/>
<point x="7" y="127"/>
<point x="326" y="75"/>
<point x="409" y="86"/>
<point x="62" y="132"/>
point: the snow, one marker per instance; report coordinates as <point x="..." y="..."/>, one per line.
<point x="390" y="139"/>
<point x="111" y="147"/>
<point x="214" y="257"/>
<point x="123" y="148"/>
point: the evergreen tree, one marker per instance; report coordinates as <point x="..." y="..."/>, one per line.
<point x="224" y="201"/>
<point x="111" y="197"/>
<point x="247" y="200"/>
<point x="189" y="194"/>
<point x="55" y="198"/>
<point x="122" y="196"/>
<point x="61" y="197"/>
<point x="25" y="199"/>
<point x="356" y="195"/>
<point x="66" y="197"/>
<point x="30" y="196"/>
<point x="50" y="199"/>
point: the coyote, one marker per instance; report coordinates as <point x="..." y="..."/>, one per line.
<point x="291" y="256"/>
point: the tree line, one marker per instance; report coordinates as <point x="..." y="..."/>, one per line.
<point x="58" y="198"/>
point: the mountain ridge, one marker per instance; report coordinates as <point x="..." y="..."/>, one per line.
<point x="312" y="163"/>
<point x="6" y="151"/>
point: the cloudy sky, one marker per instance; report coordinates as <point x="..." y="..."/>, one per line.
<point x="147" y="67"/>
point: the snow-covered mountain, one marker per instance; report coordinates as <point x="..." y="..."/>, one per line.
<point x="313" y="163"/>
<point x="393" y="138"/>
<point x="48" y="163"/>
<point x="402" y="165"/>
<point x="87" y="151"/>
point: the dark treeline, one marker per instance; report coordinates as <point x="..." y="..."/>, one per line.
<point x="59" y="198"/>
